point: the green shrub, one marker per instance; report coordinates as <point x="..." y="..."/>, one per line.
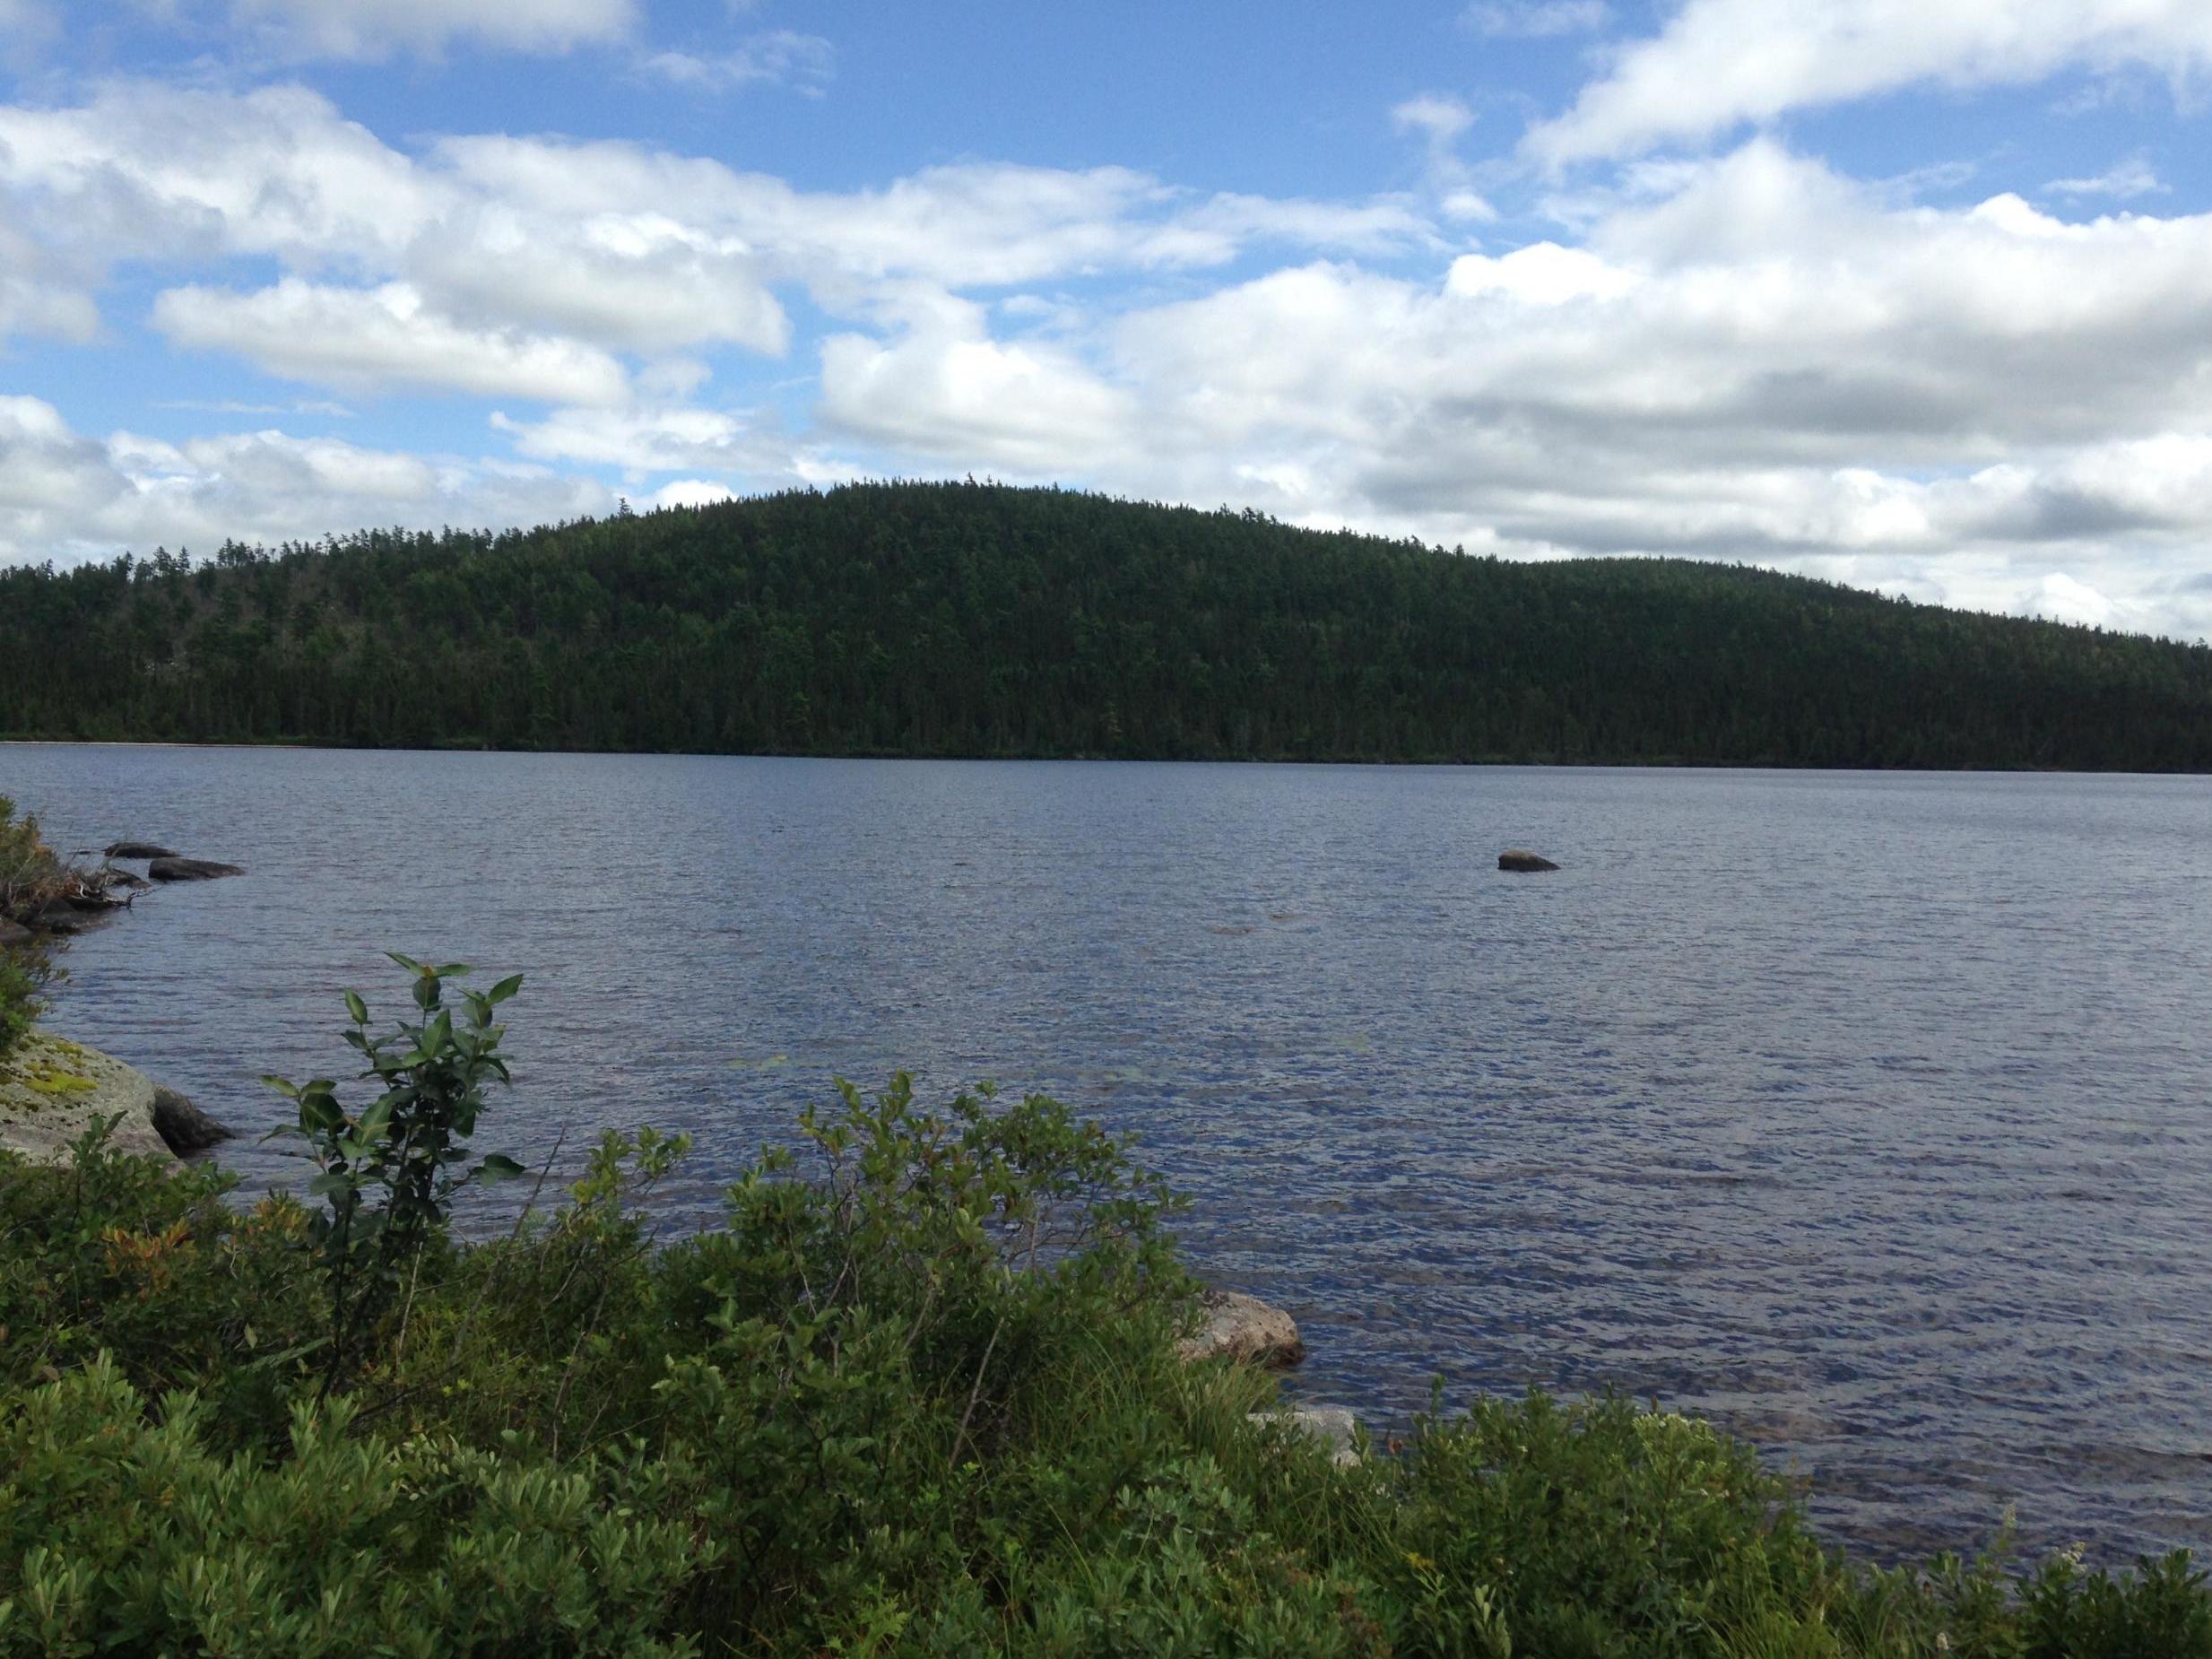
<point x="30" y="875"/>
<point x="390" y="1173"/>
<point x="919" y="1395"/>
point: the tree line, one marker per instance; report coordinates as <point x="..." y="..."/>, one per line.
<point x="943" y="620"/>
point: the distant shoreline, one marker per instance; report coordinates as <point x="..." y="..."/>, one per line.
<point x="1487" y="763"/>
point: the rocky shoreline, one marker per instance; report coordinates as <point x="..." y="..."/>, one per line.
<point x="52" y="1090"/>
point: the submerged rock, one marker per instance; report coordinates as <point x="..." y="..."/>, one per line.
<point x="1244" y="1328"/>
<point x="1524" y="863"/>
<point x="52" y="1089"/>
<point x="61" y="916"/>
<point x="138" y="849"/>
<point x="171" y="868"/>
<point x="1336" y="1426"/>
<point x="182" y="1125"/>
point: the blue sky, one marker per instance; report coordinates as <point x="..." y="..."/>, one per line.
<point x="1916" y="297"/>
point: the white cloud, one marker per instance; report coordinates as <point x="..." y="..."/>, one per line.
<point x="373" y="29"/>
<point x="380" y="337"/>
<point x="669" y="439"/>
<point x="611" y="247"/>
<point x="1434" y="116"/>
<point x="1747" y="356"/>
<point x="1719" y="63"/>
<point x="2124" y="181"/>
<point x="1535" y="20"/>
<point x="778" y="58"/>
<point x="1440" y="121"/>
<point x="67" y="496"/>
<point x="1763" y="360"/>
<point x="949" y="391"/>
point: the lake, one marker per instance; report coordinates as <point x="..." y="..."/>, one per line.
<point x="1865" y="1113"/>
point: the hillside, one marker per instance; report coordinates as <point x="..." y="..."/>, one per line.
<point x="965" y="620"/>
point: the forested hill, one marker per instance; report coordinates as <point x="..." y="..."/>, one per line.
<point x="965" y="620"/>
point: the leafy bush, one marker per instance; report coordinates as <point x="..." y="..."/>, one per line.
<point x="30" y="876"/>
<point x="919" y="1395"/>
<point x="390" y="1174"/>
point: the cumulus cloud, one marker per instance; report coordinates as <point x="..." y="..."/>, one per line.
<point x="1720" y="62"/>
<point x="2123" y="181"/>
<point x="1748" y="355"/>
<point x="1537" y="20"/>
<point x="373" y="29"/>
<point x="67" y="496"/>
<point x="1439" y="121"/>
<point x="377" y="338"/>
<point x="665" y="439"/>
<point x="1768" y="363"/>
<point x="620" y="246"/>
<point x="778" y="58"/>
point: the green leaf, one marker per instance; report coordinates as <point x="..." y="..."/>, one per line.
<point x="506" y="989"/>
<point x="499" y="1166"/>
<point x="319" y="1114"/>
<point x="356" y="1008"/>
<point x="408" y="962"/>
<point x="291" y="1092"/>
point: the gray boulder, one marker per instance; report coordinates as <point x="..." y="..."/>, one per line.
<point x="51" y="1091"/>
<point x="1244" y="1328"/>
<point x="1335" y="1426"/>
<point x="173" y="869"/>
<point x="14" y="934"/>
<point x="1523" y="863"/>
<point x="182" y="1125"/>
<point x="138" y="849"/>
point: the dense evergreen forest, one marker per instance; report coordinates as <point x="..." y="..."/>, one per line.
<point x="975" y="619"/>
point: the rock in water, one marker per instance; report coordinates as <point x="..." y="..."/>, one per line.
<point x="1526" y="863"/>
<point x="12" y="933"/>
<point x="182" y="1125"/>
<point x="1244" y="1328"/>
<point x="61" y="916"/>
<point x="174" y="869"/>
<point x="138" y="849"/>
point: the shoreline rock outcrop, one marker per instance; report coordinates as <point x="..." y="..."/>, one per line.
<point x="51" y="1090"/>
<point x="1244" y="1328"/>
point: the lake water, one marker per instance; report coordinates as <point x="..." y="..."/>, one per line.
<point x="1867" y="1113"/>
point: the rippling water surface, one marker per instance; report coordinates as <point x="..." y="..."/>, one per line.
<point x="1868" y="1113"/>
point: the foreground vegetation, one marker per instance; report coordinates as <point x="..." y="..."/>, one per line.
<point x="959" y="620"/>
<point x="919" y="1395"/>
<point x="32" y="876"/>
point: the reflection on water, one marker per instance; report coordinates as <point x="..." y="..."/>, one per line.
<point x="1867" y="1113"/>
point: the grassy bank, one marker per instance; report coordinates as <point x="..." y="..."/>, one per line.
<point x="919" y="1393"/>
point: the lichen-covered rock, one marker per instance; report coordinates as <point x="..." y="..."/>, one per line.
<point x="51" y="1091"/>
<point x="1243" y="1327"/>
<point x="1335" y="1425"/>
